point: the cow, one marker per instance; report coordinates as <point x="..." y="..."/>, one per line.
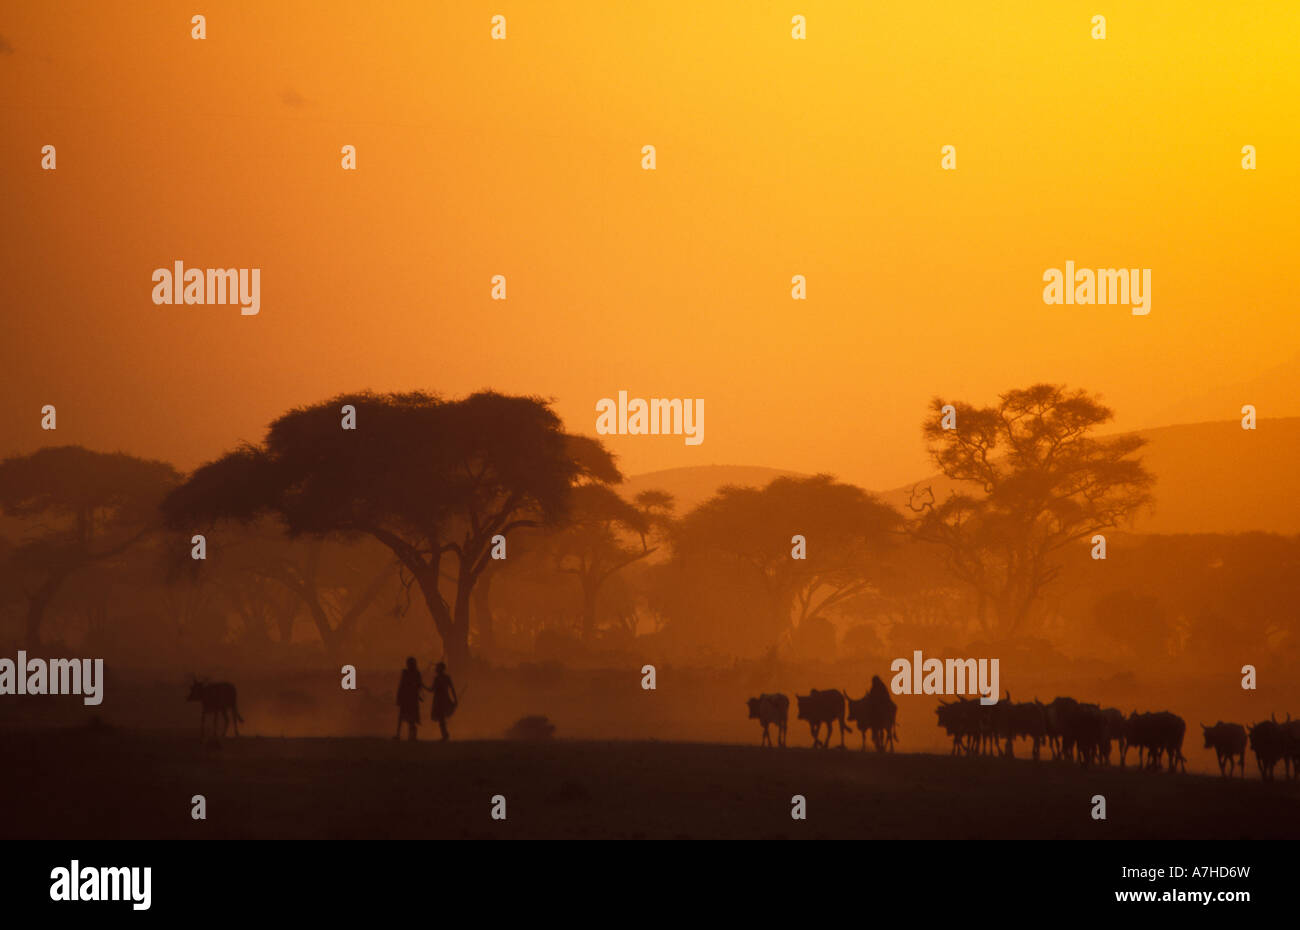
<point x="1114" y="720"/>
<point x="216" y="698"/>
<point x="1161" y="735"/>
<point x="1086" y="727"/>
<point x="1060" y="727"/>
<point x="1268" y="741"/>
<point x="859" y="713"/>
<point x="1027" y="720"/>
<point x="975" y="728"/>
<point x="995" y="726"/>
<point x="960" y="719"/>
<point x="770" y="709"/>
<point x="877" y="712"/>
<point x="1228" y="740"/>
<point x="1137" y="730"/>
<point x="821" y="707"/>
<point x="1171" y="729"/>
<point x="1291" y="746"/>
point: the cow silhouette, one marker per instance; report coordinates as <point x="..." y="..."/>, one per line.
<point x="216" y="697"/>
<point x="1228" y="740"/>
<point x="822" y="707"/>
<point x="769" y="709"/>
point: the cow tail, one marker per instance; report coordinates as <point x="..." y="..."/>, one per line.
<point x="235" y="709"/>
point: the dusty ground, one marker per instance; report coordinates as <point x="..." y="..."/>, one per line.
<point x="108" y="782"/>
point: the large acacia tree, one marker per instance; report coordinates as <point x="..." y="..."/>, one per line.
<point x="433" y="480"/>
<point x="1030" y="479"/>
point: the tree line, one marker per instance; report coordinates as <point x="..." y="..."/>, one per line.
<point x="344" y="527"/>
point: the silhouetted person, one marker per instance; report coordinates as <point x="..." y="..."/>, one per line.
<point x="408" y="699"/>
<point x="444" y="698"/>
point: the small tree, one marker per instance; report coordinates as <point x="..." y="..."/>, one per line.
<point x="603" y="535"/>
<point x="91" y="507"/>
<point x="752" y="529"/>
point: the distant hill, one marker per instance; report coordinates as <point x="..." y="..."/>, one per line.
<point x="1210" y="478"/>
<point x="692" y="486"/>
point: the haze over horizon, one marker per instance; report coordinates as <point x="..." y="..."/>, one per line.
<point x="667" y="283"/>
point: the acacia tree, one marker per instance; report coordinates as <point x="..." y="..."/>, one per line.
<point x="91" y="507"/>
<point x="752" y="528"/>
<point x="1031" y="480"/>
<point x="604" y="534"/>
<point x="435" y="481"/>
<point x="269" y="579"/>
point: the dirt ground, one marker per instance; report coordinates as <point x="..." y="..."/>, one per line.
<point x="105" y="782"/>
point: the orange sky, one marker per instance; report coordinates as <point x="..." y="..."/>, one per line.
<point x="776" y="157"/>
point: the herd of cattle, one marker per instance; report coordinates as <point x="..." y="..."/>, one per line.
<point x="1071" y="730"/>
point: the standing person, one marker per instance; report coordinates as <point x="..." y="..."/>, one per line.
<point x="408" y="699"/>
<point x="444" y="698"/>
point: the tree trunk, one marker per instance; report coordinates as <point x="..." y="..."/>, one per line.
<point x="589" y="592"/>
<point x="284" y="622"/>
<point x="483" y="613"/>
<point x="327" y="638"/>
<point x="458" y="646"/>
<point x="36" y="608"/>
<point x="454" y="634"/>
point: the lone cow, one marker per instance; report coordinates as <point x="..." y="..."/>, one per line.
<point x="770" y="709"/>
<point x="216" y="697"/>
